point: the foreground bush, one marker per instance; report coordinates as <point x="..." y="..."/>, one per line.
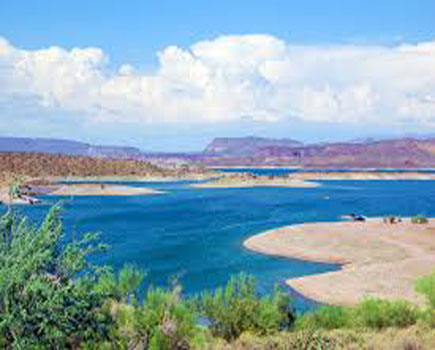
<point x="426" y="286"/>
<point x="121" y="287"/>
<point x="47" y="299"/>
<point x="377" y="313"/>
<point x="325" y="317"/>
<point x="412" y="338"/>
<point x="370" y="313"/>
<point x="162" y="322"/>
<point x="51" y="297"/>
<point x="238" y="308"/>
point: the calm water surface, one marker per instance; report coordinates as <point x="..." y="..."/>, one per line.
<point x="198" y="233"/>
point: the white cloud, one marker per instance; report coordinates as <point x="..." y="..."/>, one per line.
<point x="258" y="77"/>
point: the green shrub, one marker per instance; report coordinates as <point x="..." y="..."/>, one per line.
<point x="239" y="308"/>
<point x="122" y="287"/>
<point x="419" y="219"/>
<point x="47" y="295"/>
<point x="370" y="313"/>
<point x="425" y="285"/>
<point x="14" y="190"/>
<point x="163" y="322"/>
<point x="378" y="313"/>
<point x="325" y="317"/>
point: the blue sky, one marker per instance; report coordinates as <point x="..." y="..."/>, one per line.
<point x="134" y="32"/>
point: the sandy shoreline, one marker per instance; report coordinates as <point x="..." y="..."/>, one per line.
<point x="228" y="182"/>
<point x="91" y="185"/>
<point x="304" y="179"/>
<point x="88" y="189"/>
<point x="101" y="190"/>
<point x="379" y="260"/>
<point x="360" y="175"/>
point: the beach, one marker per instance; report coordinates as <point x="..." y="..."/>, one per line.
<point x="101" y="190"/>
<point x="379" y="260"/>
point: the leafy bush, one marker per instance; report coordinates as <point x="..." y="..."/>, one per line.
<point x="377" y="313"/>
<point x="370" y="313"/>
<point x="239" y="308"/>
<point x="122" y="287"/>
<point x="425" y="285"/>
<point x="15" y="187"/>
<point x="325" y="317"/>
<point x="163" y="322"/>
<point x="419" y="219"/>
<point x="47" y="299"/>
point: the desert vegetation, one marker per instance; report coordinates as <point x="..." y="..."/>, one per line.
<point x="419" y="219"/>
<point x="53" y="297"/>
<point x="37" y="165"/>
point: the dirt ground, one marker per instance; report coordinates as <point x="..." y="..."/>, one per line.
<point x="379" y="260"/>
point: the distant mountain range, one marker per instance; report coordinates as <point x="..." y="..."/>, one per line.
<point x="254" y="151"/>
<point x="67" y="147"/>
<point x="75" y="148"/>
<point x="246" y="146"/>
<point x="389" y="153"/>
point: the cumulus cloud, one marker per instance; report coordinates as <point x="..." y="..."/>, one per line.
<point x="258" y="77"/>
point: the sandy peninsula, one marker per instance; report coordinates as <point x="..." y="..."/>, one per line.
<point x="361" y="175"/>
<point x="379" y="260"/>
<point x="101" y="190"/>
<point x="241" y="181"/>
<point x="88" y="189"/>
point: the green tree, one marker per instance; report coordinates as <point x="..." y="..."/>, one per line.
<point x="121" y="287"/>
<point x="15" y="188"/>
<point x="162" y="321"/>
<point x="238" y="308"/>
<point x="47" y="294"/>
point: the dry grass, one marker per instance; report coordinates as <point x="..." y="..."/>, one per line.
<point x="412" y="338"/>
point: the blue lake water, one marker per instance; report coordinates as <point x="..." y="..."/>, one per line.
<point x="198" y="233"/>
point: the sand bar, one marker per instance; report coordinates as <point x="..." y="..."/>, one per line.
<point x="261" y="181"/>
<point x="101" y="190"/>
<point x="362" y="175"/>
<point x="379" y="260"/>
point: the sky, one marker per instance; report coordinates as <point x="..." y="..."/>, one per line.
<point x="171" y="75"/>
